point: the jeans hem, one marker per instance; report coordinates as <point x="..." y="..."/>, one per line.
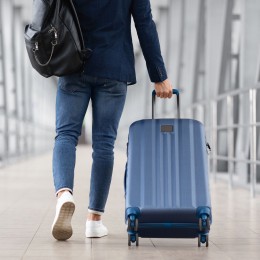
<point x="95" y="211"/>
<point x="63" y="189"/>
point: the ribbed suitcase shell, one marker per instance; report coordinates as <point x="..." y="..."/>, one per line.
<point x="166" y="177"/>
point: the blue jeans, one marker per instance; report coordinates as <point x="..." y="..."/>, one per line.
<point x="108" y="99"/>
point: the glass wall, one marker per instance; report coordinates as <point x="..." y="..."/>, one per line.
<point x="26" y="99"/>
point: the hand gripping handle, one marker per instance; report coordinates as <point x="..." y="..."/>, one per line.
<point x="174" y="92"/>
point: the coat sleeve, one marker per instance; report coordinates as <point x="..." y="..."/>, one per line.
<point x="149" y="40"/>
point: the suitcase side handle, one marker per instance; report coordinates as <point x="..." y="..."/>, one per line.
<point x="174" y="92"/>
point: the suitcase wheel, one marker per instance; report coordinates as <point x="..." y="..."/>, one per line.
<point x="129" y="240"/>
<point x="208" y="223"/>
<point x="133" y="239"/>
<point x="132" y="229"/>
<point x="132" y="224"/>
<point x="203" y="239"/>
<point x="204" y="222"/>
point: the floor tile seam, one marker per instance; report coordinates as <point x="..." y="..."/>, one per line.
<point x="45" y="215"/>
<point x="157" y="250"/>
<point x="221" y="250"/>
<point x="257" y="233"/>
<point x="91" y="249"/>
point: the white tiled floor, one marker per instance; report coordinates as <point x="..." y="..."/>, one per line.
<point x="27" y="206"/>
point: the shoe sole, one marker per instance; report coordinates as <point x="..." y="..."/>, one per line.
<point x="62" y="229"/>
<point x="95" y="236"/>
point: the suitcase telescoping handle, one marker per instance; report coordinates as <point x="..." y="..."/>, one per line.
<point x="174" y="92"/>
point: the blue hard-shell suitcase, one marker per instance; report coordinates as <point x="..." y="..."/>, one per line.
<point x="166" y="179"/>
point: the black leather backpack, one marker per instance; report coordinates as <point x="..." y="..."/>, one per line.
<point x="54" y="39"/>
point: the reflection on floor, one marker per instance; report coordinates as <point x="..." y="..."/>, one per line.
<point x="27" y="210"/>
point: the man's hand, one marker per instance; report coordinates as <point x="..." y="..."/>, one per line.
<point x="163" y="89"/>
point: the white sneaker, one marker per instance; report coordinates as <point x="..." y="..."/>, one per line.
<point x="61" y="227"/>
<point x="95" y="229"/>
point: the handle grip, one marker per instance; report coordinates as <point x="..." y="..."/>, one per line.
<point x="174" y="92"/>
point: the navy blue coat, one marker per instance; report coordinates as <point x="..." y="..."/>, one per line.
<point x="106" y="27"/>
